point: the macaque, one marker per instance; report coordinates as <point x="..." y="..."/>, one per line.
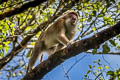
<point x="57" y="36"/>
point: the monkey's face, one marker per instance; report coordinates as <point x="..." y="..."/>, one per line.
<point x="72" y="18"/>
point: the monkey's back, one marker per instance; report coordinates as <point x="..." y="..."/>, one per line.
<point x="50" y="36"/>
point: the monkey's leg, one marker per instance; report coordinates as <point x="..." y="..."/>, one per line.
<point x="60" y="47"/>
<point x="52" y="50"/>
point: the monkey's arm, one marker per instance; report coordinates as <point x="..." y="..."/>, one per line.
<point x="61" y="36"/>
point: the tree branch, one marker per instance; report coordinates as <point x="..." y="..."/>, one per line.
<point x="74" y="49"/>
<point x="21" y="9"/>
<point x="2" y="1"/>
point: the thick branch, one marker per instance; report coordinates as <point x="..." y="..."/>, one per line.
<point x="21" y="9"/>
<point x="74" y="49"/>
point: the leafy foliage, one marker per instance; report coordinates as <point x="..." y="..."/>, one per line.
<point x="96" y="71"/>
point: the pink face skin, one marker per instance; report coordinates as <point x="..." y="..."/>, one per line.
<point x="73" y="17"/>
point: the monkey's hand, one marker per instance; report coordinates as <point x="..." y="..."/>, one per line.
<point x="69" y="44"/>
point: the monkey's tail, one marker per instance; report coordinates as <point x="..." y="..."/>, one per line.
<point x="37" y="51"/>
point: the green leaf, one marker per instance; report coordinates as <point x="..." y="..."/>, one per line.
<point x="85" y="75"/>
<point x="100" y="67"/>
<point x="106" y="67"/>
<point x="94" y="51"/>
<point x="90" y="18"/>
<point x="8" y="21"/>
<point x="1" y="46"/>
<point x="112" y="42"/>
<point x="104" y="10"/>
<point x="1" y="27"/>
<point x="88" y="71"/>
<point x="105" y="18"/>
<point x="90" y="66"/>
<point x="105" y="48"/>
<point x="118" y="46"/>
<point x="101" y="78"/>
<point x="95" y="5"/>
<point x="100" y="15"/>
<point x="94" y="13"/>
<point x="110" y="73"/>
<point x="4" y="30"/>
<point x="32" y="43"/>
<point x="12" y="25"/>
<point x="5" y="49"/>
<point x="94" y="29"/>
<point x="1" y="54"/>
<point x="94" y="67"/>
<point x="83" y="19"/>
<point x="6" y="27"/>
<point x="85" y="4"/>
<point x="96" y="61"/>
<point x="28" y="54"/>
<point x="29" y="16"/>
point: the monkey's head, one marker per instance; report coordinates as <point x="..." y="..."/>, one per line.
<point x="71" y="18"/>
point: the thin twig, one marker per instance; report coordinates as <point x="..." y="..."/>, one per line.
<point x="66" y="74"/>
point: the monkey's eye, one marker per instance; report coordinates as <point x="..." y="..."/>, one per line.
<point x="74" y="17"/>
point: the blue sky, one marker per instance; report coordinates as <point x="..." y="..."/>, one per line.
<point x="78" y="71"/>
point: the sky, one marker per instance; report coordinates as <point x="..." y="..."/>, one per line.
<point x="81" y="68"/>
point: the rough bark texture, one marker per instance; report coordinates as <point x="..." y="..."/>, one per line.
<point x="76" y="48"/>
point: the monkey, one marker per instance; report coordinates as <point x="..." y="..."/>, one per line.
<point x="57" y="36"/>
